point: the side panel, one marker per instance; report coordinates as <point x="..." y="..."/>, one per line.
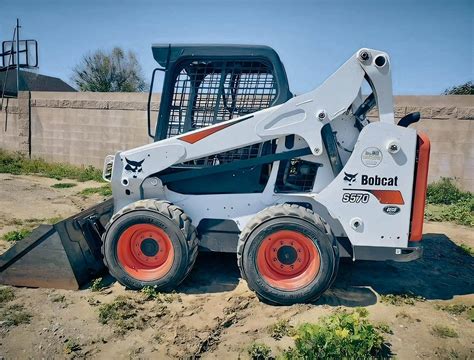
<point x="372" y="196"/>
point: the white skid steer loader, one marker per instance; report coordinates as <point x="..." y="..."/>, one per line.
<point x="290" y="184"/>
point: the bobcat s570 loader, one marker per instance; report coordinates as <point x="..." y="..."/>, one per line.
<point x="290" y="184"/>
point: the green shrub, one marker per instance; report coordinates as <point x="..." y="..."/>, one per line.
<point x="343" y="335"/>
<point x="16" y="235"/>
<point x="18" y="164"/>
<point x="445" y="191"/>
<point x="259" y="351"/>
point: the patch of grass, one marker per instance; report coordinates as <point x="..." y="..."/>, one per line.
<point x="279" y="329"/>
<point x="471" y="314"/>
<point x="16" y="235"/>
<point x="151" y="293"/>
<point x="467" y="249"/>
<point x="18" y="164"/>
<point x="444" y="331"/>
<point x="120" y="313"/>
<point x="71" y="346"/>
<point x="104" y="190"/>
<point x="6" y="294"/>
<point x="343" y="335"/>
<point x="259" y="351"/>
<point x="453" y="309"/>
<point x="63" y="185"/>
<point x="97" y="285"/>
<point x="401" y="299"/>
<point x="15" y="315"/>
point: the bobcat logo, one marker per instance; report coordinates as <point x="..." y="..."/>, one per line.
<point x="350" y="178"/>
<point x="134" y="166"/>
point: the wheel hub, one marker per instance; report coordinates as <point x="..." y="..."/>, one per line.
<point x="287" y="255"/>
<point x="149" y="247"/>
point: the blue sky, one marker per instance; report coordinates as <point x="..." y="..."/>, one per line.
<point x="430" y="41"/>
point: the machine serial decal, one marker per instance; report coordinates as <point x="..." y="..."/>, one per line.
<point x="391" y="210"/>
<point x="371" y="157"/>
<point x="134" y="166"/>
<point x="355" y="198"/>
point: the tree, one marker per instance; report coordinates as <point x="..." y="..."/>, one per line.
<point x="114" y="71"/>
<point x="464" y="89"/>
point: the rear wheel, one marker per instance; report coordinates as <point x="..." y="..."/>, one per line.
<point x="150" y="242"/>
<point x="286" y="255"/>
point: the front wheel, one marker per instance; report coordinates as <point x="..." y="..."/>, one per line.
<point x="286" y="255"/>
<point x="150" y="243"/>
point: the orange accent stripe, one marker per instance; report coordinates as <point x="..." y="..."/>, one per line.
<point x="388" y="196"/>
<point x="421" y="182"/>
<point x="195" y="137"/>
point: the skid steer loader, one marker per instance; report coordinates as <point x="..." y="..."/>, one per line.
<point x="289" y="183"/>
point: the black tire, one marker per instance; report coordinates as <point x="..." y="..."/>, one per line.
<point x="167" y="217"/>
<point x="297" y="219"/>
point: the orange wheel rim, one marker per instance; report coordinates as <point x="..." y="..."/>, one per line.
<point x="288" y="260"/>
<point x="145" y="252"/>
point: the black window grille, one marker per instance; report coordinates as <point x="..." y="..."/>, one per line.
<point x="209" y="92"/>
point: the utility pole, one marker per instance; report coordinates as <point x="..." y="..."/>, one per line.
<point x="17" y="57"/>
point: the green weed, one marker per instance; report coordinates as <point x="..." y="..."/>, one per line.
<point x="16" y="235"/>
<point x="97" y="285"/>
<point x="343" y="335"/>
<point x="71" y="346"/>
<point x="279" y="329"/>
<point x="259" y="351"/>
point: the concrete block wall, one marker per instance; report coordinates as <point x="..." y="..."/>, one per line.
<point x="82" y="128"/>
<point x="15" y="124"/>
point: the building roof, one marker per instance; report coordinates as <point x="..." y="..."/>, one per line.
<point x="30" y="81"/>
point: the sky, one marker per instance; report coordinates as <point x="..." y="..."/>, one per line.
<point x="430" y="42"/>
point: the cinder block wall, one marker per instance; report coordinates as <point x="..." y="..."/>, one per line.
<point x="82" y="128"/>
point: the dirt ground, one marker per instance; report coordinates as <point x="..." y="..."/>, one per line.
<point x="213" y="315"/>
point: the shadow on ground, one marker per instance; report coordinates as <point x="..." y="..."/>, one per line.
<point x="444" y="271"/>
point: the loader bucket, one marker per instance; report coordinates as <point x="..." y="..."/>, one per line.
<point x="65" y="255"/>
